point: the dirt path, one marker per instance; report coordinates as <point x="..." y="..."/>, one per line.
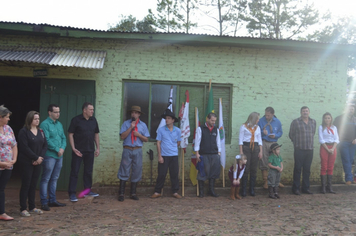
<point x="316" y="214"/>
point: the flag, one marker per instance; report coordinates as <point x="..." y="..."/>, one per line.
<point x="210" y="105"/>
<point x="184" y="123"/>
<point x="193" y="171"/>
<point x="170" y="107"/>
<point x="222" y="135"/>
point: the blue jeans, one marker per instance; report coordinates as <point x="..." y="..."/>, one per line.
<point x="347" y="152"/>
<point x="51" y="168"/>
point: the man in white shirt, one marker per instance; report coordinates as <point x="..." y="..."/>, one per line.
<point x="207" y="149"/>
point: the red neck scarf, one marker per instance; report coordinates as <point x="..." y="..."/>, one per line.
<point x="329" y="130"/>
<point x="252" y="131"/>
<point x="133" y="137"/>
<point x="210" y="128"/>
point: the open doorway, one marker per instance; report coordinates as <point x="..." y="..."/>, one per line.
<point x="19" y="95"/>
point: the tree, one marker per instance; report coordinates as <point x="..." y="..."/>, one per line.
<point x="188" y="6"/>
<point x="227" y="13"/>
<point x="168" y="17"/>
<point x="280" y="19"/>
<point x="130" y="23"/>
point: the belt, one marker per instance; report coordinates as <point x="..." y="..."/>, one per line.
<point x="131" y="148"/>
<point x="329" y="144"/>
<point x="248" y="143"/>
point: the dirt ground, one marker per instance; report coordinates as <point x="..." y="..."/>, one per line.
<point x="316" y="214"/>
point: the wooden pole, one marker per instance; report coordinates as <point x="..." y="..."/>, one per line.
<point x="182" y="172"/>
<point x="182" y="150"/>
<point x="210" y="84"/>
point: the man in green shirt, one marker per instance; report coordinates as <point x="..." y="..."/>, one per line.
<point x="52" y="163"/>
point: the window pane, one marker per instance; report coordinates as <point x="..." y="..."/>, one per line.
<point x="159" y="103"/>
<point x="136" y="94"/>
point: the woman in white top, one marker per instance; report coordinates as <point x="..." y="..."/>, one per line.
<point x="250" y="143"/>
<point x="328" y="139"/>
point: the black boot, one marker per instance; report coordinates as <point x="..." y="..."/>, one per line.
<point x="133" y="191"/>
<point x="323" y="183"/>
<point x="122" y="190"/>
<point x="201" y="188"/>
<point x="243" y="186"/>
<point x="211" y="188"/>
<point x="328" y="187"/>
<point x="252" y="185"/>
<point x="271" y="193"/>
<point x="275" y="190"/>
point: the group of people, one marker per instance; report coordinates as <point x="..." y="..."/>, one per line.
<point x="41" y="146"/>
<point x="44" y="144"/>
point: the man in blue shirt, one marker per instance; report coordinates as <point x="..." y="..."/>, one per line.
<point x="53" y="161"/>
<point x="134" y="132"/>
<point x="168" y="140"/>
<point x="271" y="130"/>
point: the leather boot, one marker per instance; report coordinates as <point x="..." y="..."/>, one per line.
<point x="275" y="190"/>
<point x="201" y="188"/>
<point x="237" y="193"/>
<point x="323" y="183"/>
<point x="211" y="188"/>
<point x="252" y="185"/>
<point x="271" y="193"/>
<point x="133" y="191"/>
<point x="244" y="184"/>
<point x="265" y="176"/>
<point x="329" y="186"/>
<point x="122" y="190"/>
<point x="232" y="192"/>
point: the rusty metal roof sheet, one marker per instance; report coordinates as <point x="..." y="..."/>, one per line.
<point x="55" y="56"/>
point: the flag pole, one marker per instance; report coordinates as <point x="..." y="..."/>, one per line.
<point x="222" y="168"/>
<point x="210" y="84"/>
<point x="196" y="126"/>
<point x="182" y="150"/>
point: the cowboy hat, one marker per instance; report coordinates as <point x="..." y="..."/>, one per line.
<point x="168" y="112"/>
<point x="136" y="108"/>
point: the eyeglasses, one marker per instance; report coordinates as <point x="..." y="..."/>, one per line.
<point x="56" y="112"/>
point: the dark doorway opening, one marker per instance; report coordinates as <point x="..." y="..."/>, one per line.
<point x="19" y="95"/>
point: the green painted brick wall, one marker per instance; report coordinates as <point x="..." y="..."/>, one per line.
<point x="285" y="80"/>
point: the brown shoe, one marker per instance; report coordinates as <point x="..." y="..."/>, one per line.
<point x="348" y="183"/>
<point x="176" y="195"/>
<point x="156" y="195"/>
<point x="281" y="185"/>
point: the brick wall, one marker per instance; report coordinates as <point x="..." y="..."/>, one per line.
<point x="285" y="80"/>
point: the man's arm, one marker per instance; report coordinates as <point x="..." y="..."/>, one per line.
<point x="71" y="142"/>
<point x="160" y="158"/>
<point x="97" y="144"/>
<point x="197" y="143"/>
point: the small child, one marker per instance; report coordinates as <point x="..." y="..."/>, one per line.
<point x="275" y="169"/>
<point x="235" y="174"/>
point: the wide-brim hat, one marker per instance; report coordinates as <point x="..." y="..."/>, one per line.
<point x="274" y="146"/>
<point x="168" y="112"/>
<point x="136" y="108"/>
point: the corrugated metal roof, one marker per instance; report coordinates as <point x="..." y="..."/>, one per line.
<point x="167" y="33"/>
<point x="55" y="56"/>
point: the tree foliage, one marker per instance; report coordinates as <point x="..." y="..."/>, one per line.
<point x="130" y="23"/>
<point x="280" y="19"/>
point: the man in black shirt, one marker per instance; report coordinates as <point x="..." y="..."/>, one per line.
<point x="83" y="132"/>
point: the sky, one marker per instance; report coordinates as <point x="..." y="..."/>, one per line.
<point x="100" y="14"/>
